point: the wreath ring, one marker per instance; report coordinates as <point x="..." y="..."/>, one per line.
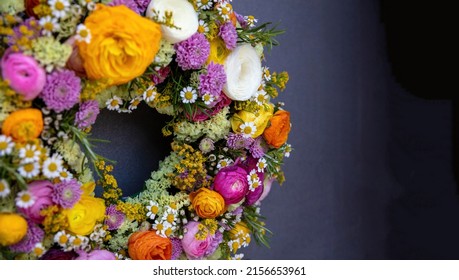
<point x="196" y="61"/>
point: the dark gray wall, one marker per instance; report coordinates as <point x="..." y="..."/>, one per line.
<point x="371" y="174"/>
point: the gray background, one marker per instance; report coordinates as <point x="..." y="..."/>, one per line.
<point x="371" y="175"/>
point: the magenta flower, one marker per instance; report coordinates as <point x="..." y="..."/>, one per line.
<point x="229" y="35"/>
<point x="213" y="80"/>
<point x="206" y="114"/>
<point x="253" y="196"/>
<point x="62" y="90"/>
<point x="193" y="52"/>
<point x="267" y="184"/>
<point x="115" y="218"/>
<point x="24" y="74"/>
<point x="34" y="235"/>
<point x="57" y="254"/>
<point x="96" y="255"/>
<point x="67" y="193"/>
<point x="197" y="249"/>
<point x="231" y="182"/>
<point x="42" y="192"/>
<point x="131" y="4"/>
<point x="160" y="75"/>
<point x="87" y="114"/>
<point x="177" y="248"/>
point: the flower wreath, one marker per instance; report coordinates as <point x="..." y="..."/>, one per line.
<point x="197" y="61"/>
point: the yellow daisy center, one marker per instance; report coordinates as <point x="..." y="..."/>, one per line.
<point x="49" y="26"/>
<point x="201" y="29"/>
<point x="29" y="167"/>
<point x="170" y="218"/>
<point x="154" y="209"/>
<point x="52" y="167"/>
<point x="160" y="227"/>
<point x="77" y="242"/>
<point x="83" y="33"/>
<point x="3" y="145"/>
<point x="2" y="187"/>
<point x="207" y="97"/>
<point x="29" y="154"/>
<point x="168" y="232"/>
<point x="38" y="251"/>
<point x="223" y="163"/>
<point x="188" y="95"/>
<point x="114" y="103"/>
<point x="261" y="98"/>
<point x="26" y="197"/>
<point x="63" y="239"/>
<point x="247" y="130"/>
<point x="59" y="6"/>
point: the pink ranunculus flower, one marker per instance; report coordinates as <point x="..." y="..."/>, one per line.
<point x="231" y="183"/>
<point x="253" y="197"/>
<point x="75" y="62"/>
<point x="197" y="249"/>
<point x="41" y="192"/>
<point x="95" y="255"/>
<point x="267" y="184"/>
<point x="24" y="74"/>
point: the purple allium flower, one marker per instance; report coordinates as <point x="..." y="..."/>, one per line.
<point x="87" y="114"/>
<point x="238" y="141"/>
<point x="213" y="81"/>
<point x="177" y="248"/>
<point x="67" y="193"/>
<point x="258" y="148"/>
<point x="229" y="35"/>
<point x="34" y="235"/>
<point x="142" y="5"/>
<point x="62" y="90"/>
<point x="58" y="254"/>
<point x="131" y="4"/>
<point x="193" y="52"/>
<point x="115" y="218"/>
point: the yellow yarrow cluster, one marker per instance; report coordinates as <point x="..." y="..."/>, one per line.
<point x="190" y="169"/>
<point x="133" y="211"/>
<point x="205" y="228"/>
<point x="92" y="88"/>
<point x="42" y="9"/>
<point x="112" y="192"/>
<point x="54" y="220"/>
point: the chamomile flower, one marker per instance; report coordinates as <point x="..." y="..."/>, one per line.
<point x="170" y="216"/>
<point x="78" y="242"/>
<point x="252" y="176"/>
<point x="251" y="21"/>
<point x="224" y="163"/>
<point x="134" y="103"/>
<point x="261" y="165"/>
<point x="62" y="239"/>
<point x="225" y="10"/>
<point x="6" y="145"/>
<point x="65" y="175"/>
<point x="25" y="199"/>
<point x="237" y="257"/>
<point x="29" y="153"/>
<point x="234" y="245"/>
<point x="4" y="188"/>
<point x="29" y="170"/>
<point x="153" y="210"/>
<point x="248" y="129"/>
<point x="52" y="166"/>
<point x="149" y="94"/>
<point x="254" y="184"/>
<point x="260" y="97"/>
<point x="114" y="103"/>
<point x="204" y="4"/>
<point x="49" y="25"/>
<point x="59" y="8"/>
<point x="162" y="227"/>
<point x="208" y="99"/>
<point x="38" y="250"/>
<point x="266" y="73"/>
<point x="288" y="150"/>
<point x="83" y="34"/>
<point x="203" y="27"/>
<point x="188" y="95"/>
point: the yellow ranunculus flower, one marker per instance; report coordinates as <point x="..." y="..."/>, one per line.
<point x="85" y="214"/>
<point x="218" y="51"/>
<point x="260" y="119"/>
<point x="123" y="44"/>
<point x="13" y="228"/>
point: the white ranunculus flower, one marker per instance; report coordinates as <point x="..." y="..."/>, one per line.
<point x="243" y="73"/>
<point x="183" y="16"/>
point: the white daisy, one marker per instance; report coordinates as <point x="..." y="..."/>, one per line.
<point x="170" y="216"/>
<point x="25" y="199"/>
<point x="260" y="97"/>
<point x="254" y="184"/>
<point x="203" y="27"/>
<point x="49" y="25"/>
<point x="237" y="257"/>
<point x="248" y="129"/>
<point x="114" y="103"/>
<point x="6" y="145"/>
<point x="161" y="227"/>
<point x="288" y="150"/>
<point x="252" y="176"/>
<point x="225" y="10"/>
<point x="204" y="4"/>
<point x="78" y="242"/>
<point x="62" y="239"/>
<point x="251" y="21"/>
<point x="150" y="94"/>
<point x="224" y="163"/>
<point x="52" y="166"/>
<point x="83" y="34"/>
<point x="59" y="8"/>
<point x="261" y="165"/>
<point x="134" y="103"/>
<point x="38" y="250"/>
<point x="188" y="95"/>
<point x="29" y="153"/>
<point x="234" y="245"/>
<point x="266" y="73"/>
<point x="4" y="188"/>
<point x="29" y="170"/>
<point x="65" y="175"/>
<point x="208" y="99"/>
<point x="153" y="209"/>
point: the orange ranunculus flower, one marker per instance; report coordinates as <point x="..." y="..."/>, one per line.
<point x="123" y="44"/>
<point x="147" y="245"/>
<point x="208" y="204"/>
<point x="277" y="133"/>
<point x="23" y="125"/>
<point x="13" y="228"/>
